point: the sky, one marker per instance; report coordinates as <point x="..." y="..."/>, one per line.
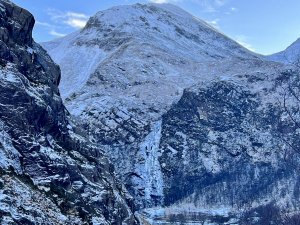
<point x="263" y="26"/>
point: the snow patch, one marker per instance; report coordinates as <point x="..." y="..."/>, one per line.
<point x="9" y="156"/>
<point x="8" y="76"/>
<point x="30" y="50"/>
<point x="76" y="62"/>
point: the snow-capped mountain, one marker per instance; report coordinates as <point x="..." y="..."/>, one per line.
<point x="164" y="38"/>
<point x="49" y="172"/>
<point x="186" y="115"/>
<point x="291" y="55"/>
<point x="132" y="63"/>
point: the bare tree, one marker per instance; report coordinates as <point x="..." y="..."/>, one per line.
<point x="291" y="220"/>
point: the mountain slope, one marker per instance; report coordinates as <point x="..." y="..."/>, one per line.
<point x="186" y="115"/>
<point x="150" y="31"/>
<point x="291" y="55"/>
<point x="50" y="173"/>
<point x="121" y="73"/>
<point x="230" y="148"/>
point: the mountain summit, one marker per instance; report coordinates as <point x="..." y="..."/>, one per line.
<point x="161" y="35"/>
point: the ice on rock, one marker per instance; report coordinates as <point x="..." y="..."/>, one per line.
<point x="151" y="169"/>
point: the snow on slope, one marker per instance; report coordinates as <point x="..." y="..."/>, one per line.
<point x="164" y="34"/>
<point x="290" y="55"/>
<point x="146" y="56"/>
<point x="74" y="57"/>
<point x="122" y="58"/>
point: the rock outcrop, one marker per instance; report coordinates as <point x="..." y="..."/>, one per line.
<point x="231" y="146"/>
<point x="50" y="172"/>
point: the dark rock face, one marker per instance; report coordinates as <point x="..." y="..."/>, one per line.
<point x="222" y="145"/>
<point x="16" y="24"/>
<point x="50" y="173"/>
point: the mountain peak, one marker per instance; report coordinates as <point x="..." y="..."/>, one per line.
<point x="152" y="31"/>
<point x="291" y="55"/>
<point x="142" y="14"/>
<point x="171" y="8"/>
<point x="161" y="23"/>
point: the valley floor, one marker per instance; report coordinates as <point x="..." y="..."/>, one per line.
<point x="169" y="216"/>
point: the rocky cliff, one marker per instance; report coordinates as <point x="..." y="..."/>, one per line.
<point x="231" y="145"/>
<point x="228" y="146"/>
<point x="50" y="172"/>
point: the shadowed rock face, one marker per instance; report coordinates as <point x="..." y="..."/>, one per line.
<point x="16" y="24"/>
<point x="221" y="145"/>
<point x="50" y="173"/>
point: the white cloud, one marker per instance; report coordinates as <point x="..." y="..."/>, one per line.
<point x="76" y="23"/>
<point x="51" y="28"/>
<point x="168" y="1"/>
<point x="56" y="34"/>
<point x="214" y="23"/>
<point x="219" y="2"/>
<point x="243" y="40"/>
<point x="161" y="1"/>
<point x="72" y="19"/>
<point x="209" y="6"/>
<point x="60" y="21"/>
<point x="77" y="15"/>
<point x="231" y="10"/>
<point x="43" y="24"/>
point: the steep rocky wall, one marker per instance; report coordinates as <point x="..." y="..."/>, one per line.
<point x="223" y="145"/>
<point x="50" y="173"/>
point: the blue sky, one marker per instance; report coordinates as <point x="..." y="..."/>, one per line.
<point x="264" y="26"/>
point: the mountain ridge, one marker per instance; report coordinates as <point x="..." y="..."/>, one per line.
<point x="50" y="173"/>
<point x="291" y="55"/>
